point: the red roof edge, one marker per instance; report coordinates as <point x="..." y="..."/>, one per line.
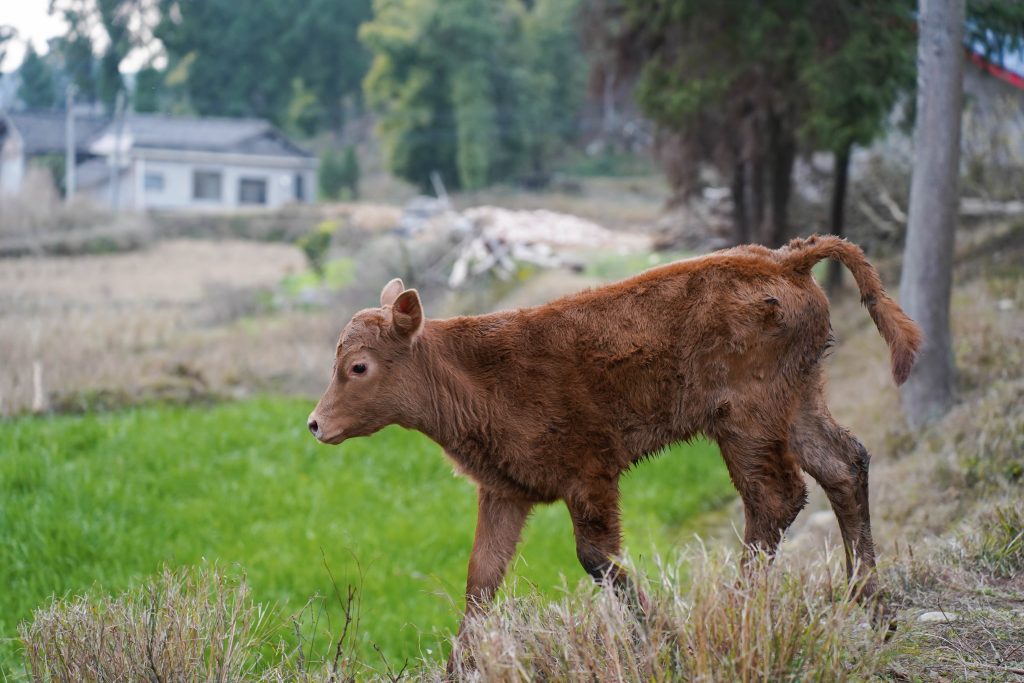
<point x="993" y="69"/>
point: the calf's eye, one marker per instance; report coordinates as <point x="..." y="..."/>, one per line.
<point x="359" y="369"/>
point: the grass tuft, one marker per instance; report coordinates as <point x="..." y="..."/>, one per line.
<point x="999" y="544"/>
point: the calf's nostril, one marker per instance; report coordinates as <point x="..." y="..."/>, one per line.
<point x="313" y="427"/>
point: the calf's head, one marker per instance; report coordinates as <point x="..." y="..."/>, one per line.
<point x="372" y="368"/>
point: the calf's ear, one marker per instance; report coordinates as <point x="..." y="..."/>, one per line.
<point x="407" y="313"/>
<point x="390" y="292"/>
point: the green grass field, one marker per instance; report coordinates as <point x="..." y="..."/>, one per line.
<point x="100" y="501"/>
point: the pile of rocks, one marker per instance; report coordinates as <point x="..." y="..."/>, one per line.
<point x="490" y="239"/>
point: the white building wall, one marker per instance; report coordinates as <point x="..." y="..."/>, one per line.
<point x="177" y="185"/>
<point x="102" y="193"/>
<point x="12" y="166"/>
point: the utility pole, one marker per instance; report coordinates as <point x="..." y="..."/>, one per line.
<point x="70" y="159"/>
<point x="115" y="157"/>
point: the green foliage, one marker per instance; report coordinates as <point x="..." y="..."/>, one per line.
<point x="351" y="172"/>
<point x="475" y="125"/>
<point x="301" y="115"/>
<point x="97" y="502"/>
<point x="329" y="57"/>
<point x="291" y="61"/>
<point x="874" y="62"/>
<point x="335" y="274"/>
<point x="476" y="90"/>
<point x="315" y="245"/>
<point x="996" y="26"/>
<point x="339" y="171"/>
<point x="115" y="17"/>
<point x="37" y="89"/>
<point x="149" y="89"/>
<point x="76" y="51"/>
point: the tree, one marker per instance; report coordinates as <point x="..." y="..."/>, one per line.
<point x="331" y="60"/>
<point x="76" y="50"/>
<point x="744" y="85"/>
<point x="476" y="90"/>
<point x="339" y="172"/>
<point x="928" y="259"/>
<point x="557" y="71"/>
<point x="433" y="81"/>
<point x="722" y="80"/>
<point x="296" y="63"/>
<point x="149" y="90"/>
<point x="868" y="49"/>
<point x="125" y="24"/>
<point x="37" y="89"/>
<point x="230" y="55"/>
<point x="351" y="171"/>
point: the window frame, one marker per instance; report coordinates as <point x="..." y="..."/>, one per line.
<point x="219" y="174"/>
<point x="264" y="195"/>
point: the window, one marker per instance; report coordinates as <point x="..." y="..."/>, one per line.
<point x="154" y="182"/>
<point x="206" y="185"/>
<point x="300" y="187"/>
<point x="252" y="191"/>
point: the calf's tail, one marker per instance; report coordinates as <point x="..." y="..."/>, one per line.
<point x="900" y="332"/>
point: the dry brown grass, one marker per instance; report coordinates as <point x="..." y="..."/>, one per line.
<point x="721" y="624"/>
<point x="37" y="221"/>
<point x="163" y="322"/>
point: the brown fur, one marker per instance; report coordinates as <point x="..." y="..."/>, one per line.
<point x="556" y="402"/>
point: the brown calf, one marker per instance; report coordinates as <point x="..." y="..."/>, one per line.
<point x="556" y="402"/>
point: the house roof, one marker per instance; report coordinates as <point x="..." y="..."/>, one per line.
<point x="236" y="136"/>
<point x="43" y="133"/>
<point x="1001" y="73"/>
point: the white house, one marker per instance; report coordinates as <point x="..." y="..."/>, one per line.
<point x="157" y="162"/>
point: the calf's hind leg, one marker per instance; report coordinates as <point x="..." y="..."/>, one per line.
<point x="839" y="462"/>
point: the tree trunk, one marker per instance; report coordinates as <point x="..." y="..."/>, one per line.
<point x="840" y="179"/>
<point x="740" y="217"/>
<point x="756" y="213"/>
<point x="927" y="260"/>
<point x="782" y="156"/>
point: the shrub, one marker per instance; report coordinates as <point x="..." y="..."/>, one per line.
<point x="316" y="244"/>
<point x="339" y="171"/>
<point x="181" y="626"/>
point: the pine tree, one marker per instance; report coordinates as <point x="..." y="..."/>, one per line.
<point x="37" y="89"/>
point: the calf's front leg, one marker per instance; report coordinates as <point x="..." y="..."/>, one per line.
<point x="499" y="523"/>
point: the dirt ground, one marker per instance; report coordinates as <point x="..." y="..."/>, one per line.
<point x="171" y="321"/>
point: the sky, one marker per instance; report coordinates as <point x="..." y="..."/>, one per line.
<point x="34" y="24"/>
<point x="31" y="20"/>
